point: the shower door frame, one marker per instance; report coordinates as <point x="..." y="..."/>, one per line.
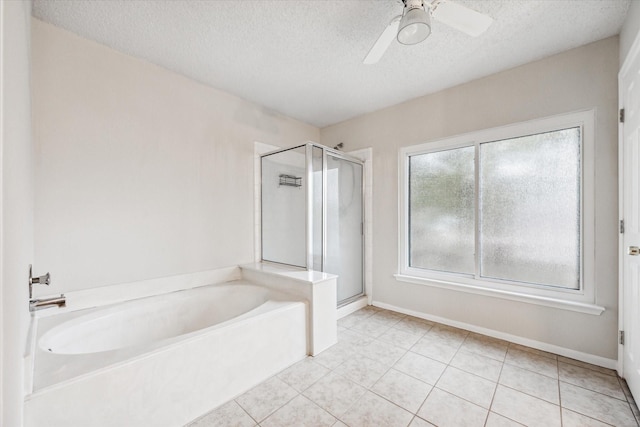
<point x="342" y="156"/>
<point x="309" y="209"/>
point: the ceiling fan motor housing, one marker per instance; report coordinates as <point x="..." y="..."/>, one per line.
<point x="412" y="4"/>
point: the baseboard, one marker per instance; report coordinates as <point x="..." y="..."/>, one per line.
<point x="551" y="348"/>
<point x="353" y="306"/>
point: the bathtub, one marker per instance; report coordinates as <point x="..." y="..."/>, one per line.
<point x="162" y="360"/>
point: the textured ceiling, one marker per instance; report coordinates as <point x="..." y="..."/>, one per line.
<point x="304" y="58"/>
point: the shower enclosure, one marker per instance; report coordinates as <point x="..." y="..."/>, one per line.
<point x="312" y="213"/>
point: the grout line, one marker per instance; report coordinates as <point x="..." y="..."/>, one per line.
<point x="495" y="390"/>
<point x="245" y="411"/>
<point x="595" y="391"/>
<point x="589" y="416"/>
<point x="559" y="393"/>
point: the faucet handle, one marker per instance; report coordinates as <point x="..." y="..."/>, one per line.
<point x="42" y="280"/>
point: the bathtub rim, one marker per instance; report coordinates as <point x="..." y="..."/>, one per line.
<point x="167" y="345"/>
<point x="158" y="301"/>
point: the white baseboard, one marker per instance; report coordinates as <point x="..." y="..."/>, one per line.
<point x="353" y="306"/>
<point x="551" y="348"/>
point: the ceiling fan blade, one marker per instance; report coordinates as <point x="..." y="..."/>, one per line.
<point x="383" y="42"/>
<point x="462" y="18"/>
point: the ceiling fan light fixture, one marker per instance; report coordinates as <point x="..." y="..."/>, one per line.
<point x="415" y="25"/>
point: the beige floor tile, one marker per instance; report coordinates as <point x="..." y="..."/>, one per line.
<point x="303" y="374"/>
<point x="446" y="410"/>
<point x="420" y="367"/>
<point x="265" y="398"/>
<point x="532" y="362"/>
<point x="388" y="316"/>
<point x="436" y="348"/>
<point x="525" y="409"/>
<point x="591" y="379"/>
<point x="335" y="355"/>
<point x="401" y="337"/>
<point x="402" y="389"/>
<point x="533" y="350"/>
<point x="299" y="412"/>
<point x="485" y="346"/>
<point x="229" y="414"/>
<point x="353" y="318"/>
<point x="353" y="338"/>
<point x="362" y="370"/>
<point x="596" y="405"/>
<point x="495" y="420"/>
<point x="414" y="325"/>
<point x="334" y="393"/>
<point x="573" y="419"/>
<point x="372" y="327"/>
<point x="382" y="352"/>
<point x="387" y="366"/>
<point x="477" y="364"/>
<point x="448" y="334"/>
<point x="467" y="386"/>
<point x="529" y="382"/>
<point x="372" y="410"/>
<point x="586" y="365"/>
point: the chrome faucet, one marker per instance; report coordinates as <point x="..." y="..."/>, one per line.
<point x="39" y="304"/>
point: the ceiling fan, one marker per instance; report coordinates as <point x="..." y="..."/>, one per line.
<point x="414" y="25"/>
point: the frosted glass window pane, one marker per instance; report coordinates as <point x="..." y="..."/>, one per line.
<point x="441" y="210"/>
<point x="530" y="209"/>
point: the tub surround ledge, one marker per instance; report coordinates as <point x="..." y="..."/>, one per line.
<point x="319" y="288"/>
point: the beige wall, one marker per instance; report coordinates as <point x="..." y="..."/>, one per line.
<point x="140" y="172"/>
<point x="16" y="202"/>
<point x="581" y="78"/>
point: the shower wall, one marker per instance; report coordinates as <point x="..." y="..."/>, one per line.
<point x="318" y="224"/>
<point x="283" y="208"/>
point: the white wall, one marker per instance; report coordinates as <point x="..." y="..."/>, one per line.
<point x="581" y="78"/>
<point x="630" y="29"/>
<point x="140" y="172"/>
<point x="16" y="202"/>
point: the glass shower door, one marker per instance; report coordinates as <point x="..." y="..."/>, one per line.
<point x="344" y="226"/>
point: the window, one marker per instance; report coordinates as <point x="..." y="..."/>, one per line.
<point x="507" y="210"/>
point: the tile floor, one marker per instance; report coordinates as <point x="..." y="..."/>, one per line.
<point x="389" y="369"/>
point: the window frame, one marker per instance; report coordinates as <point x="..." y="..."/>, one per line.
<point x="582" y="299"/>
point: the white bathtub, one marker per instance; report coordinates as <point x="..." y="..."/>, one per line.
<point x="162" y="360"/>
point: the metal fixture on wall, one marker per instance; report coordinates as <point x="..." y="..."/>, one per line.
<point x="38" y="304"/>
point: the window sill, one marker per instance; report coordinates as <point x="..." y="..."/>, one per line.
<point x="508" y="295"/>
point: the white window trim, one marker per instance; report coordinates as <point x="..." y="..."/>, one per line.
<point x="581" y="300"/>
